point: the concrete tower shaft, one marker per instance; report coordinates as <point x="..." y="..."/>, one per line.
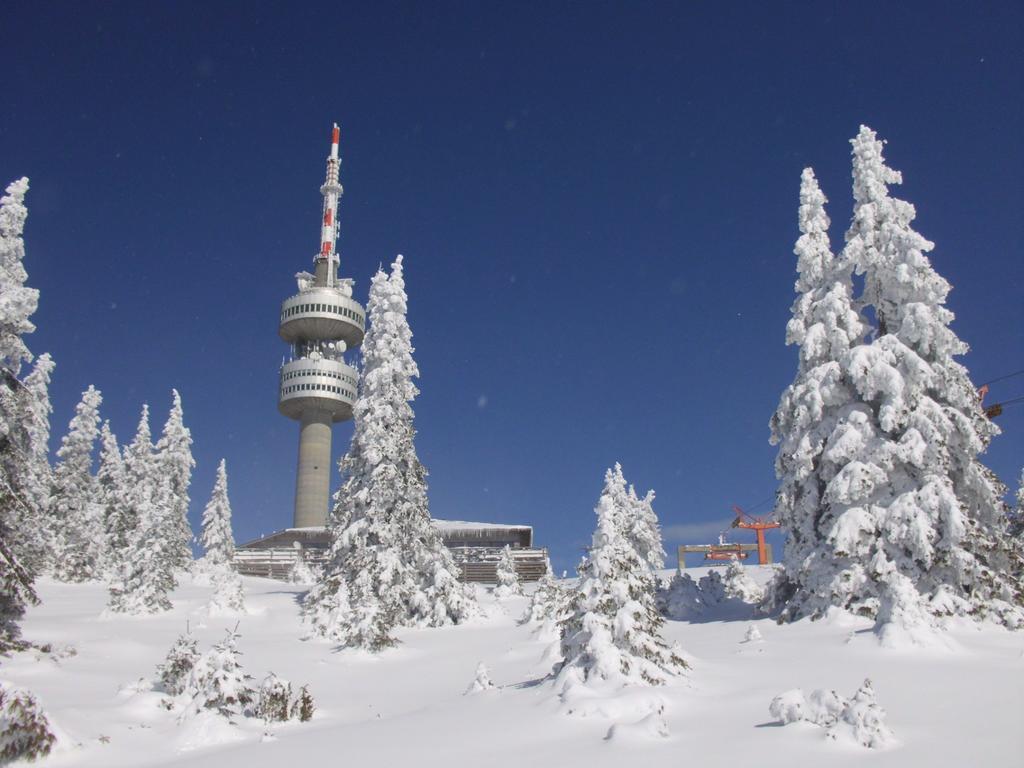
<point x="313" y="479"/>
<point x="317" y="387"/>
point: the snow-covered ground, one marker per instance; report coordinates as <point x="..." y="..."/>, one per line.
<point x="408" y="706"/>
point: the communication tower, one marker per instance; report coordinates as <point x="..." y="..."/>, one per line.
<point x="317" y="386"/>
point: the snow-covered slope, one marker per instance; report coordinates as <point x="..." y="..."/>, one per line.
<point x="409" y="705"/>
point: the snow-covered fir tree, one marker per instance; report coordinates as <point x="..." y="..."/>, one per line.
<point x="177" y="665"/>
<point x="712" y="588"/>
<point x="31" y="522"/>
<point x="17" y="303"/>
<point x="302" y="572"/>
<point x="921" y="513"/>
<point x="303" y="707"/>
<point x="174" y="456"/>
<point x="752" y="635"/>
<point x="228" y="596"/>
<point x="112" y="496"/>
<point x="548" y="599"/>
<point x="739" y="584"/>
<point x="507" y="579"/>
<point x="481" y="680"/>
<point x="25" y="732"/>
<point x="145" y="576"/>
<point x="217" y="681"/>
<point x="611" y="635"/>
<point x="387" y="563"/>
<point x="274" y="702"/>
<point x="219" y="544"/>
<point x="139" y="460"/>
<point x="1016" y="524"/>
<point x="217" y="538"/>
<point x="549" y="605"/>
<point x="681" y="600"/>
<point x="643" y="529"/>
<point x="905" y="523"/>
<point x="816" y="410"/>
<point x="77" y="518"/>
<point x="16" y="589"/>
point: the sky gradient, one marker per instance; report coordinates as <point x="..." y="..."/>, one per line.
<point x="596" y="203"/>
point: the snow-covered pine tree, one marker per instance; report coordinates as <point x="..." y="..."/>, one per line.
<point x="36" y="417"/>
<point x="922" y="516"/>
<point x="682" y="599"/>
<point x="219" y="544"/>
<point x="16" y="591"/>
<point x="548" y="607"/>
<point x="814" y="414"/>
<point x="139" y="460"/>
<point x="481" y="681"/>
<point x="25" y="732"/>
<point x="507" y="579"/>
<point x="301" y="571"/>
<point x="178" y="664"/>
<point x="144" y="579"/>
<point x="32" y="473"/>
<point x="122" y="521"/>
<point x="218" y="541"/>
<point x="217" y="682"/>
<point x="547" y="600"/>
<point x="73" y="509"/>
<point x="174" y="456"/>
<point x="442" y="599"/>
<point x="438" y="598"/>
<point x="119" y="523"/>
<point x="145" y="576"/>
<point x="739" y="584"/>
<point x="387" y="562"/>
<point x="611" y="634"/>
<point x="712" y="588"/>
<point x="303" y="706"/>
<point x="636" y="519"/>
<point x="643" y="530"/>
<point x="27" y="464"/>
<point x="17" y="303"/>
<point x="1016" y="521"/>
<point x="275" y="699"/>
<point x="228" y="596"/>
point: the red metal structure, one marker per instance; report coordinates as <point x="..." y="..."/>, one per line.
<point x="725" y="552"/>
<point x="758" y="525"/>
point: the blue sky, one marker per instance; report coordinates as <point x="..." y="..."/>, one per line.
<point x="596" y="203"/>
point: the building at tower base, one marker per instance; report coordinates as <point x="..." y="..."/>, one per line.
<point x="476" y="548"/>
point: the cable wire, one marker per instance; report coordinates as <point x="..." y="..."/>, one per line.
<point x="1002" y="378"/>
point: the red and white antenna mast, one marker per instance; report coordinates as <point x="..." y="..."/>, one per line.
<point x="327" y="259"/>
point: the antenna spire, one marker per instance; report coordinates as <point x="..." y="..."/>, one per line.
<point x="331" y="190"/>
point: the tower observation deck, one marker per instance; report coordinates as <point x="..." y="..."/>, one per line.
<point x="317" y="387"/>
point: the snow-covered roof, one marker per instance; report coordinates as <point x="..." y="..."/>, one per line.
<point x="457" y="525"/>
<point x="443" y="525"/>
<point x="460" y="531"/>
